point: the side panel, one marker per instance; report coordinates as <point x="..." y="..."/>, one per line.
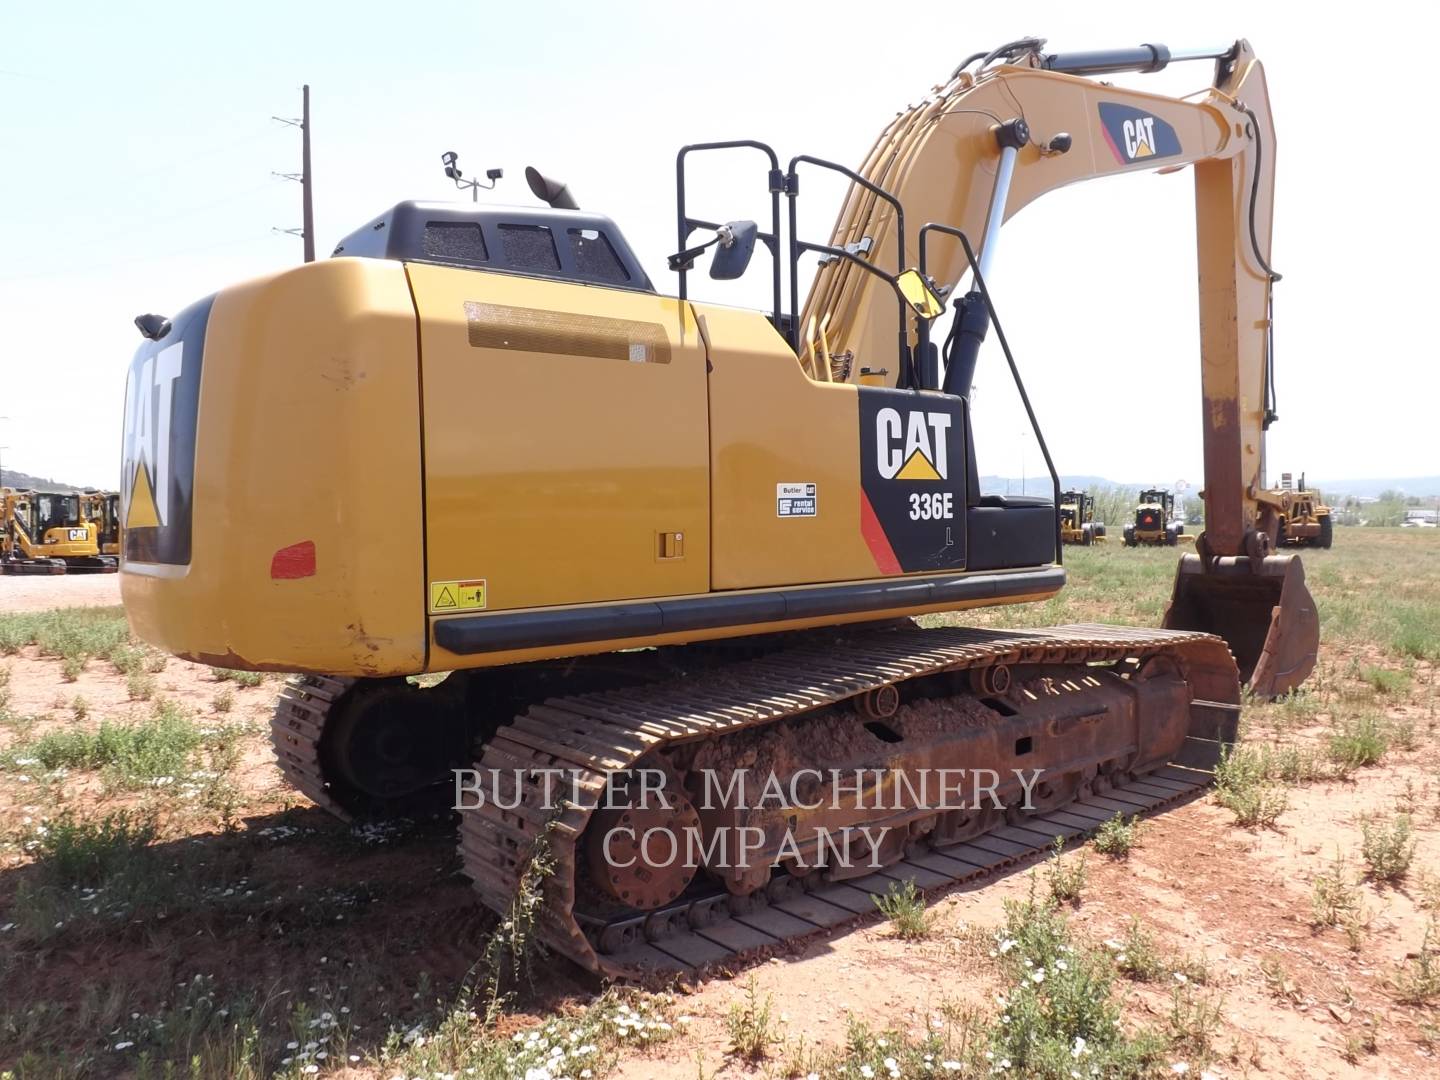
<point x="772" y="427"/>
<point x="566" y="437"/>
<point x="304" y="510"/>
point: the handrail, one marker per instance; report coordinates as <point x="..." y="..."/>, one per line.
<point x="984" y="291"/>
<point x="686" y="225"/>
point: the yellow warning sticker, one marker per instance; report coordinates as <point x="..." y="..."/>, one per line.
<point x="448" y="596"/>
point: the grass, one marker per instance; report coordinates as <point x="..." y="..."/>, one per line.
<point x="904" y="905"/>
<point x="1387" y="848"/>
<point x="751" y="1025"/>
<point x="74" y="634"/>
<point x="158" y="748"/>
<point x="1117" y="837"/>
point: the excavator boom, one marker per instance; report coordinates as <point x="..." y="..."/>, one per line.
<point x="991" y="140"/>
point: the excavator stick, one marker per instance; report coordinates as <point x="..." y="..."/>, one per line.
<point x="1263" y="610"/>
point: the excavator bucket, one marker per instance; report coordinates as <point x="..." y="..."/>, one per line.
<point x="1265" y="614"/>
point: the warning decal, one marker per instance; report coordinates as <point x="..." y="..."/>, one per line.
<point x="448" y="596"/>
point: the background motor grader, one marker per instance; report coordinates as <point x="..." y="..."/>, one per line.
<point x="1077" y="519"/>
<point x="1303" y="518"/>
<point x="1155" y="521"/>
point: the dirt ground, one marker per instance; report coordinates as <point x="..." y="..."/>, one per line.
<point x="268" y="900"/>
<point x="27" y="592"/>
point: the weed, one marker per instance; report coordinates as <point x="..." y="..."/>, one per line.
<point x="239" y="678"/>
<point x="1417" y="979"/>
<point x="224" y="701"/>
<point x="1278" y="980"/>
<point x="950" y="1048"/>
<point x="1242" y="787"/>
<point x="752" y="1028"/>
<point x="72" y="667"/>
<point x="1193" y="1021"/>
<point x="904" y="905"/>
<point x="1387" y="848"/>
<point x="1058" y="1010"/>
<point x="69" y="633"/>
<point x="156" y="662"/>
<point x="509" y="956"/>
<point x="1116" y="837"/>
<point x="1360" y="1044"/>
<point x="1358" y="741"/>
<point x="459" y="1042"/>
<point x="1385" y="681"/>
<point x="1401" y="730"/>
<point x="140" y="686"/>
<point x="155" y="750"/>
<point x="80" y="707"/>
<point x="127" y="659"/>
<point x="1066" y="877"/>
<point x="73" y="852"/>
<point x="1334" y="895"/>
<point x="1138" y="958"/>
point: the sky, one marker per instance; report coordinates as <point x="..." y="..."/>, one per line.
<point x="137" y="153"/>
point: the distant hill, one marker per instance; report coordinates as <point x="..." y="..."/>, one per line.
<point x="14" y="478"/>
<point x="1423" y="486"/>
<point x="1426" y="487"/>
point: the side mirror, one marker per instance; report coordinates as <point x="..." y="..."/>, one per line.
<point x="919" y="295"/>
<point x="732" y="253"/>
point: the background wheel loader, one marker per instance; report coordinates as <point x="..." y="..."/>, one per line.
<point x="649" y="536"/>
<point x="1077" y="519"/>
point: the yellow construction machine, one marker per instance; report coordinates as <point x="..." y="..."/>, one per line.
<point x="47" y="532"/>
<point x="1155" y="521"/>
<point x="103" y="509"/>
<point x="1302" y="518"/>
<point x="653" y="539"/>
<point x="1077" y="519"/>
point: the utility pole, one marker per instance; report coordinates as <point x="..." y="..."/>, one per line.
<point x="304" y="177"/>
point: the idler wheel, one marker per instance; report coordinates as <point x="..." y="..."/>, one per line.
<point x="639" y="854"/>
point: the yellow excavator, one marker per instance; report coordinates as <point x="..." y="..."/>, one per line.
<point x="660" y="544"/>
<point x="47" y="532"/>
<point x="103" y="509"/>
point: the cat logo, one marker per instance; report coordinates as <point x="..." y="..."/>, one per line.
<point x="157" y="468"/>
<point x="1139" y="136"/>
<point x="912" y="446"/>
<point x="1135" y="135"/>
<point x="147" y="438"/>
